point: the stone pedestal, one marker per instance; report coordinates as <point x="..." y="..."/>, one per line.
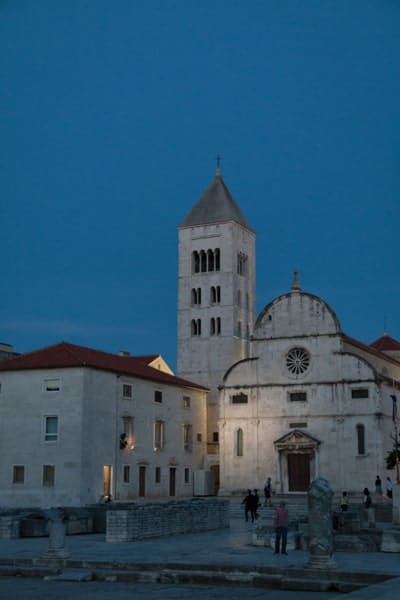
<point x="56" y="549"/>
<point x="396" y="503"/>
<point x="390" y="540"/>
<point x="320" y="525"/>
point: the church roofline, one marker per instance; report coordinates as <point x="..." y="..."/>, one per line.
<point x="215" y="205"/>
<point x="288" y="295"/>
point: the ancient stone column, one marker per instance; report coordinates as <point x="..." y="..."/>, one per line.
<point x="56" y="548"/>
<point x="320" y="525"/>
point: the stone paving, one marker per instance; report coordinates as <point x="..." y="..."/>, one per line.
<point x="230" y="547"/>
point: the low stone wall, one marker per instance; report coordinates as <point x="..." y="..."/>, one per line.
<point x="9" y="527"/>
<point x="141" y="521"/>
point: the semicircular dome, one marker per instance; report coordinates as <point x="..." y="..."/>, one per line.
<point x="296" y="314"/>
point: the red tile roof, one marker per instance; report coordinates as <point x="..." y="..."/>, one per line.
<point x="64" y="355"/>
<point x="384" y="343"/>
<point x="366" y="348"/>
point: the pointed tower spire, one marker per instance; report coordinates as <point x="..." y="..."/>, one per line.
<point x="296" y="283"/>
<point x="218" y="169"/>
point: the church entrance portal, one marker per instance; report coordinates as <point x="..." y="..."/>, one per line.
<point x="298" y="472"/>
<point x="297" y="452"/>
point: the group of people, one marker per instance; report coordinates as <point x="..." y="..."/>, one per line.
<point x="251" y="503"/>
<point x="367" y="500"/>
<point x="281" y="520"/>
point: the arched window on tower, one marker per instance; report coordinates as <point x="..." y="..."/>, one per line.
<point x="203" y="261"/>
<point x="218" y="325"/>
<point x="210" y="260"/>
<point x="212" y="326"/>
<point x="195" y="327"/>
<point x="217" y="256"/>
<point x="239" y="442"/>
<point x="195" y="262"/>
<point x="247" y="301"/>
<point x="360" y="439"/>
<point x="196" y="296"/>
<point x="239" y="298"/>
<point x="239" y="329"/>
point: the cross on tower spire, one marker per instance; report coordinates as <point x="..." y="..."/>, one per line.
<point x="218" y="169"/>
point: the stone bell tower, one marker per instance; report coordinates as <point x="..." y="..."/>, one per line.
<point x="216" y="291"/>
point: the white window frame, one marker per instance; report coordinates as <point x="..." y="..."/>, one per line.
<point x="52" y="385"/>
<point x="14" y="472"/>
<point x="50" y="437"/>
<point x="159" y="435"/>
<point x="125" y="387"/>
<point x="188" y="437"/>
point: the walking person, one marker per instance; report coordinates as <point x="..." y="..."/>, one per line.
<point x="281" y="523"/>
<point x="254" y="504"/>
<point x="369" y="511"/>
<point x="389" y="487"/>
<point x="267" y="492"/>
<point x="344" y="502"/>
<point x="378" y="486"/>
<point x="248" y="502"/>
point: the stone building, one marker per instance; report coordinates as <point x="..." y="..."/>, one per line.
<point x="77" y="425"/>
<point x="292" y="396"/>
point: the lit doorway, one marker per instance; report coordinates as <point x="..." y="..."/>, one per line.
<point x="142" y="481"/>
<point x="107" y="479"/>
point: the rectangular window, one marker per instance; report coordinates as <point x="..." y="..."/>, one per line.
<point x="297" y="396"/>
<point x="18" y="474"/>
<point x="52" y="385"/>
<point x="126" y="474"/>
<point x="215" y="436"/>
<point x="158" y="435"/>
<point x="157" y="396"/>
<point x="127" y="437"/>
<point x="48" y="475"/>
<point x="360" y="439"/>
<point x="51" y="429"/>
<point x="186" y="474"/>
<point x="186" y="401"/>
<point x="187" y="437"/>
<point x="360" y="393"/>
<point x="127" y="390"/>
<point x="199" y="437"/>
<point x="239" y="399"/>
<point x="297" y="425"/>
<point x="157" y="475"/>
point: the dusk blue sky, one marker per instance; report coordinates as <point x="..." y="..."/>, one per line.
<point x="112" y="114"/>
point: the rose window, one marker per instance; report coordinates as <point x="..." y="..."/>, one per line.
<point x="297" y="361"/>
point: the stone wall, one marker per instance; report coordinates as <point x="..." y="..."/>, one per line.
<point x="142" y="521"/>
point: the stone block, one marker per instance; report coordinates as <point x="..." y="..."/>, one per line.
<point x="390" y="540"/>
<point x="34" y="526"/>
<point x="9" y="527"/>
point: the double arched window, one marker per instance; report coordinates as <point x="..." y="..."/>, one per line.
<point x="215" y="294"/>
<point x="215" y="325"/>
<point x="196" y="295"/>
<point x="195" y="326"/>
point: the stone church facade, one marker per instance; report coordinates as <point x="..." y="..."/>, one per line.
<point x="291" y="396"/>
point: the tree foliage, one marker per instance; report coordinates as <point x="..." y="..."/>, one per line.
<point x="391" y="459"/>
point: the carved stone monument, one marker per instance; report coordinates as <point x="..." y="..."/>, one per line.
<point x="320" y="525"/>
<point x="57" y="527"/>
